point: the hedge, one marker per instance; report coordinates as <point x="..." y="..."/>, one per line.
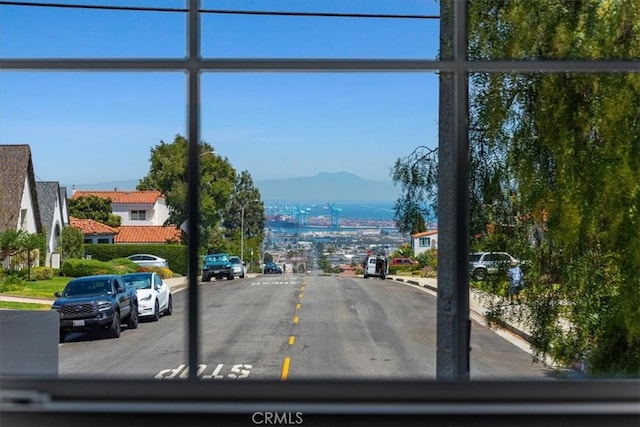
<point x="176" y="255"/>
<point x="87" y="267"/>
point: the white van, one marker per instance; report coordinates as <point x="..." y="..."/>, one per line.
<point x="376" y="266"/>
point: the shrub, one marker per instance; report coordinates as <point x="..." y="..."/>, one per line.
<point x="87" y="267"/>
<point x="42" y="273"/>
<point x="165" y="273"/>
<point x="124" y="265"/>
<point x="176" y="255"/>
<point x="11" y="283"/>
<point x="402" y="269"/>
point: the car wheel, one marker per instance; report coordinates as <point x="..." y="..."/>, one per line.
<point x="480" y="274"/>
<point x="206" y="278"/>
<point x="156" y="312"/>
<point x="132" y="321"/>
<point x="114" y="330"/>
<point x="366" y="276"/>
<point x="230" y="277"/>
<point x="169" y="309"/>
<point x="63" y="335"/>
<point x="242" y="276"/>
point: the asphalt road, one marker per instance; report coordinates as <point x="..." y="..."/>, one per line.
<point x="295" y="327"/>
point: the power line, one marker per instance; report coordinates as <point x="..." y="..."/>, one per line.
<point x="221" y="11"/>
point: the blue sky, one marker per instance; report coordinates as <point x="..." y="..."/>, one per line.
<point x="86" y="128"/>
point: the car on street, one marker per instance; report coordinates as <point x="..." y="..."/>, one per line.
<point x="96" y="303"/>
<point x="482" y="264"/>
<point x="238" y="266"/>
<point x="272" y="268"/>
<point x="147" y="260"/>
<point x="217" y="265"/>
<point x="154" y="295"/>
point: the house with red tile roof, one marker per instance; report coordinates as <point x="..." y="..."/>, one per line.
<point x="135" y="208"/>
<point x="425" y="241"/>
<point x="94" y="231"/>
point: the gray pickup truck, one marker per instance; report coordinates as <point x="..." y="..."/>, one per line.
<point x="93" y="303"/>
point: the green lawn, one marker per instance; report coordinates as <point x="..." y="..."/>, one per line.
<point x="42" y="288"/>
<point x="11" y="305"/>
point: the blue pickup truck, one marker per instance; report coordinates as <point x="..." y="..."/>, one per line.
<point x="93" y="303"/>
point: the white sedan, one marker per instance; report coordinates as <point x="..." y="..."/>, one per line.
<point x="146" y="260"/>
<point x="154" y="296"/>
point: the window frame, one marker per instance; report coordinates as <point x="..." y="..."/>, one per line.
<point x="566" y="400"/>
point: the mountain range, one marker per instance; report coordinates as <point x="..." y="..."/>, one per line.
<point x="323" y="187"/>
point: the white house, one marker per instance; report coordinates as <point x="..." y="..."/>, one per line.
<point x="425" y="241"/>
<point x="52" y="205"/>
<point x="18" y="196"/>
<point x="134" y="207"/>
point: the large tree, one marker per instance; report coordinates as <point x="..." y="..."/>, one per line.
<point x="555" y="172"/>
<point x="95" y="208"/>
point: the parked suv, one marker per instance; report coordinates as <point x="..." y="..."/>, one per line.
<point x="99" y="302"/>
<point x="482" y="264"/>
<point x="218" y="266"/>
<point x="238" y="266"/>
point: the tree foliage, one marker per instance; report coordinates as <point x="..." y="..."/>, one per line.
<point x="71" y="243"/>
<point x="222" y="193"/>
<point x="95" y="208"/>
<point x="555" y="173"/>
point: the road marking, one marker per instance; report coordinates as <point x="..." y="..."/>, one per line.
<point x="285" y="368"/>
<point x="295" y="320"/>
<point x="300" y="296"/>
<point x="298" y="306"/>
<point x="292" y="339"/>
<point x="302" y="288"/>
<point x="237" y="371"/>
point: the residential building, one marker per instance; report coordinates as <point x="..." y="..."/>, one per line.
<point x="18" y="195"/>
<point x="94" y="232"/>
<point x="425" y="241"/>
<point x="53" y="213"/>
<point x="139" y="208"/>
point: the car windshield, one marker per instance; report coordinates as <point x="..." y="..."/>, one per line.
<point x="87" y="288"/>
<point x="215" y="258"/>
<point x="474" y="257"/>
<point x="141" y="281"/>
<point x="235" y="260"/>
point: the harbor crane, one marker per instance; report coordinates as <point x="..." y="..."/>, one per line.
<point x="335" y="215"/>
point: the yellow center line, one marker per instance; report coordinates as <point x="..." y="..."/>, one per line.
<point x="292" y="339"/>
<point x="300" y="296"/>
<point x="298" y="306"/>
<point x="285" y="368"/>
<point x="302" y="288"/>
<point x="295" y="320"/>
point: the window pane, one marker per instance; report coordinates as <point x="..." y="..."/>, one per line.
<point x="270" y="36"/>
<point x="93" y="33"/>
<point x="554" y="177"/>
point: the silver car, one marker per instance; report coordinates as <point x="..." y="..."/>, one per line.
<point x="482" y="264"/>
<point x="146" y="260"/>
<point x="238" y="266"/>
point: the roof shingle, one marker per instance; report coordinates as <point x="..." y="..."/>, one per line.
<point x="90" y="227"/>
<point x="148" y="234"/>
<point x="123" y="197"/>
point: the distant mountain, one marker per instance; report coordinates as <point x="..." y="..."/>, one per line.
<point x="323" y="187"/>
<point x="328" y="187"/>
<point x="129" y="185"/>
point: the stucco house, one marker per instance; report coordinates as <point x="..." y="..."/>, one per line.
<point x="52" y="205"/>
<point x="133" y="207"/>
<point x="425" y="241"/>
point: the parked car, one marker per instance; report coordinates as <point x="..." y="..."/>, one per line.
<point x="94" y="303"/>
<point x="482" y="264"/>
<point x="154" y="296"/>
<point x="272" y="268"/>
<point x="238" y="266"/>
<point x="404" y="261"/>
<point x="218" y="266"/>
<point x="146" y="260"/>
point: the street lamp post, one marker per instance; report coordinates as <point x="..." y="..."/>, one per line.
<point x="242" y="227"/>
